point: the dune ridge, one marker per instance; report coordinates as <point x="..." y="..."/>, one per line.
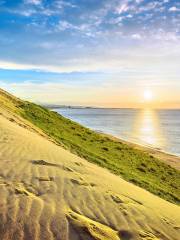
<point x="46" y="192"/>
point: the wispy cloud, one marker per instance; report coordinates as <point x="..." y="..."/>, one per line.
<point x="136" y="36"/>
<point x="34" y="2"/>
<point x="122" y="8"/>
<point x="174" y="9"/>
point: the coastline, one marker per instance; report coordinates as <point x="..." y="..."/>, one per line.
<point x="166" y="146"/>
<point x="168" y="158"/>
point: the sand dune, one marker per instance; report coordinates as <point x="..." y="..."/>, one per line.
<point x="48" y="193"/>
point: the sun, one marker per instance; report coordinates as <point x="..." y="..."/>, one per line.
<point x="148" y="95"/>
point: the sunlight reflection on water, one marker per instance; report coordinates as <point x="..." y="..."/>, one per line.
<point x="147" y="127"/>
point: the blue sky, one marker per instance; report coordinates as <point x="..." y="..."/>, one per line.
<point x="80" y="52"/>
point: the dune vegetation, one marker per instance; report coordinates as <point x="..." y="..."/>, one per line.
<point x="133" y="165"/>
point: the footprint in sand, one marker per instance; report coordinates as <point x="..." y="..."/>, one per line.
<point x="23" y="190"/>
<point x="117" y="199"/>
<point x="79" y="182"/>
<point x="177" y="227"/>
<point x="44" y="163"/>
<point x="45" y="179"/>
<point x="147" y="235"/>
<point x="68" y="169"/>
<point x="79" y="164"/>
<point x="82" y="182"/>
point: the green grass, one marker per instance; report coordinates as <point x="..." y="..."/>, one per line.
<point x="133" y="165"/>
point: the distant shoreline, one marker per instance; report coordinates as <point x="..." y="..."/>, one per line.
<point x="95" y="107"/>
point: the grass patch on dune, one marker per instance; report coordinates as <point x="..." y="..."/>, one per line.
<point x="133" y="165"/>
<point x="8" y="101"/>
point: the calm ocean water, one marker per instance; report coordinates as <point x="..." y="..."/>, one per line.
<point x="156" y="128"/>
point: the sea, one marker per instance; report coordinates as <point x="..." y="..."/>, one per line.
<point x="159" y="129"/>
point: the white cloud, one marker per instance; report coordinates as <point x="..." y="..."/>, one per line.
<point x="33" y="2"/>
<point x="162" y="35"/>
<point x="86" y="29"/>
<point x="64" y="25"/>
<point x="129" y="16"/>
<point x="139" y="1"/>
<point x="61" y="4"/>
<point x="136" y="36"/>
<point x="14" y="66"/>
<point x="72" y="65"/>
<point x="26" y="13"/>
<point x="52" y="92"/>
<point x="174" y="9"/>
<point x="122" y="8"/>
<point x="151" y="6"/>
<point x="116" y="20"/>
<point x="32" y="7"/>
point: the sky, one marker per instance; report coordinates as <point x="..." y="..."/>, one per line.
<point x="107" y="53"/>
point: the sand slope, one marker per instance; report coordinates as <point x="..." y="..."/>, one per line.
<point x="48" y="193"/>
